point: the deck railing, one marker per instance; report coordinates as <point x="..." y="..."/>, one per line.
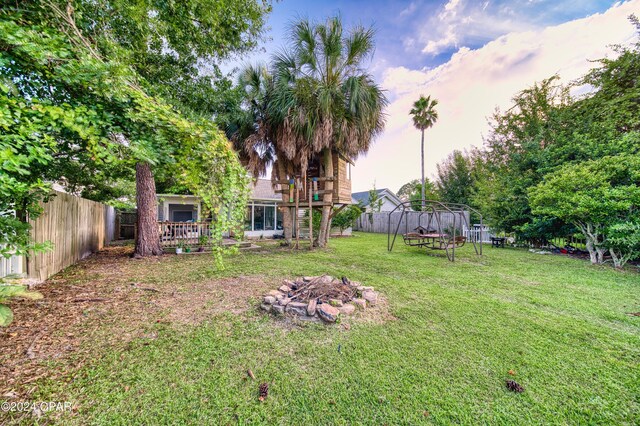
<point x="173" y="234"/>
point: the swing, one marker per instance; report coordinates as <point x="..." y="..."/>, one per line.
<point x="434" y="236"/>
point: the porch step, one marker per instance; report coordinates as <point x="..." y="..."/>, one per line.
<point x="231" y="242"/>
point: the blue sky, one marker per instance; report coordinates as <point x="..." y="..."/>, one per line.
<point x="405" y="28"/>
<point x="472" y="55"/>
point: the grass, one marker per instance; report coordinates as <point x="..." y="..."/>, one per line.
<point x="561" y="325"/>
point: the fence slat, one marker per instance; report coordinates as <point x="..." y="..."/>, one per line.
<point x="379" y="222"/>
<point x="13" y="265"/>
<point x="76" y="227"/>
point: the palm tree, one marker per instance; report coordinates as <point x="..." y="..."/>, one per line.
<point x="252" y="132"/>
<point x="424" y="116"/>
<point x="324" y="100"/>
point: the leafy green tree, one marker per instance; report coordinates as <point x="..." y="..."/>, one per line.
<point x="406" y="190"/>
<point x="375" y="201"/>
<point x="430" y="193"/>
<point x="412" y="191"/>
<point x="177" y="47"/>
<point x="58" y="87"/>
<point x="596" y="196"/>
<point x="606" y="120"/>
<point x="346" y="217"/>
<point x="456" y="183"/>
<point x="515" y="155"/>
<point x="424" y="116"/>
<point x="546" y="128"/>
<point x="623" y="242"/>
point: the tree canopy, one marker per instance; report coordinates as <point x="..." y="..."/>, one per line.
<point x="456" y="182"/>
<point x="552" y="163"/>
<point x="69" y="95"/>
<point x="595" y="196"/>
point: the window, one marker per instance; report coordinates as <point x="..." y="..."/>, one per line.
<point x="258" y="218"/>
<point x="183" y="216"/>
<point x="278" y="219"/>
<point x="269" y="218"/>
<point x="263" y="218"/>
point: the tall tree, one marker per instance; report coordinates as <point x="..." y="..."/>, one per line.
<point x="546" y="129"/>
<point x="176" y="48"/>
<point x="58" y="87"/>
<point x="515" y="156"/>
<point x="455" y="182"/>
<point x="324" y="101"/>
<point x="424" y="116"/>
<point x="253" y="132"/>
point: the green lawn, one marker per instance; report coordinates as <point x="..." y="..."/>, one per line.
<point x="561" y="325"/>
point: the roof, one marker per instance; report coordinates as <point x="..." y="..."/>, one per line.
<point x="263" y="190"/>
<point x="363" y="197"/>
<point x="185" y="196"/>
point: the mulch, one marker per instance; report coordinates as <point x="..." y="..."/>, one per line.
<point x="78" y="303"/>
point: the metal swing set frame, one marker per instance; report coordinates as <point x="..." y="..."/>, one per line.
<point x="434" y="236"/>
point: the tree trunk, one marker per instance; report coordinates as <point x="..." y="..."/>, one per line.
<point x="287" y="219"/>
<point x="325" y="223"/>
<point x="148" y="240"/>
<point x="596" y="254"/>
<point x="593" y="256"/>
<point x="422" y="157"/>
<point x="618" y="260"/>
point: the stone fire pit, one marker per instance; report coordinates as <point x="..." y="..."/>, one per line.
<point x="319" y="298"/>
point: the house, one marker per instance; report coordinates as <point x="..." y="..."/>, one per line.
<point x="263" y="217"/>
<point x="389" y="200"/>
<point x="264" y="210"/>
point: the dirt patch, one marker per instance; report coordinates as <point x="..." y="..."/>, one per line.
<point x="196" y="302"/>
<point x="53" y="329"/>
<point x="109" y="300"/>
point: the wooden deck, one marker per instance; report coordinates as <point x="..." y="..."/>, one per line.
<point x="192" y="234"/>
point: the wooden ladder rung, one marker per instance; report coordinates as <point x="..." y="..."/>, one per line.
<point x="320" y="179"/>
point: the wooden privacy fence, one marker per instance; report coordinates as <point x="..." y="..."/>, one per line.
<point x="126" y="225"/>
<point x="379" y="222"/>
<point x="76" y="227"/>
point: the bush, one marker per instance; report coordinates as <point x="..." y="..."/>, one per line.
<point x="346" y="217"/>
<point x="623" y="242"/>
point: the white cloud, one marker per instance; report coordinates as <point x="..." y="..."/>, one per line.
<point x="473" y="82"/>
<point x="462" y="22"/>
<point x="409" y="9"/>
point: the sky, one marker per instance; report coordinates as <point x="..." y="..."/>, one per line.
<point x="473" y="56"/>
